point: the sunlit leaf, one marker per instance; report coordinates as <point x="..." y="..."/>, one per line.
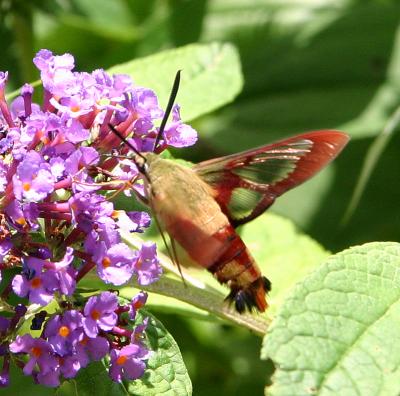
<point x="337" y="332"/>
<point x="211" y="76"/>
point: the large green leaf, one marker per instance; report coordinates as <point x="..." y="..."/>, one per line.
<point x="211" y="76"/>
<point x="166" y="373"/>
<point x="21" y="384"/>
<point x="337" y="333"/>
<point x="92" y="380"/>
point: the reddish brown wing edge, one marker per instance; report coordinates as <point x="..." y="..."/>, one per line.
<point x="325" y="146"/>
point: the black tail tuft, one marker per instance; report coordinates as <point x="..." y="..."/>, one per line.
<point x="252" y="297"/>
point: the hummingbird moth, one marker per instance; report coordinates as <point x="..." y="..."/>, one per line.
<point x="200" y="207"/>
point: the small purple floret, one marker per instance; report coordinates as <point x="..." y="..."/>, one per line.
<point x="147" y="268"/>
<point x="99" y="313"/>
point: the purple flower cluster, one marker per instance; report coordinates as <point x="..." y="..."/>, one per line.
<point x="57" y="220"/>
<point x="72" y="339"/>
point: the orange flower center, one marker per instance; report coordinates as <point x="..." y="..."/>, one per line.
<point x="115" y="214"/>
<point x="45" y="139"/>
<point x="95" y="314"/>
<point x="63" y="331"/>
<point x="121" y="360"/>
<point x="26" y="186"/>
<point x="21" y="221"/>
<point x="36" y="282"/>
<point x="138" y="305"/>
<point x="36" y="351"/>
<point x="106" y="262"/>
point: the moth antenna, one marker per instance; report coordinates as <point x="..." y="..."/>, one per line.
<point x="116" y="132"/>
<point x="171" y="101"/>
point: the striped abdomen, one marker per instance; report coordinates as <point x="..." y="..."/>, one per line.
<point x="236" y="267"/>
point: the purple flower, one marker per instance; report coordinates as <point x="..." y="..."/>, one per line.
<point x="40" y="353"/>
<point x="144" y="103"/>
<point x="82" y="158"/>
<point x="5" y="144"/>
<point x="99" y="313"/>
<point x="141" y="219"/>
<point x="127" y="363"/>
<point x="89" y="209"/>
<point x="116" y="264"/>
<point x="177" y="133"/>
<point x="49" y="378"/>
<point x="104" y="234"/>
<point x="35" y="284"/>
<point x="56" y="72"/>
<point x="23" y="216"/>
<point x="33" y="180"/>
<point x="5" y="247"/>
<point x="147" y="266"/>
<point x="64" y="273"/>
<point x="132" y="221"/>
<point x="20" y="107"/>
<point x="27" y="90"/>
<point x="96" y="347"/>
<point x="71" y="364"/>
<point x="112" y="87"/>
<point x="3" y="80"/>
<point x="57" y="167"/>
<point x="138" y="334"/>
<point x="73" y="106"/>
<point x="63" y="332"/>
<point x="137" y="302"/>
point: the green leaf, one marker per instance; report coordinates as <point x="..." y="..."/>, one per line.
<point x="166" y="373"/>
<point x="92" y="380"/>
<point x="21" y="384"/>
<point x="337" y="333"/>
<point x="211" y="76"/>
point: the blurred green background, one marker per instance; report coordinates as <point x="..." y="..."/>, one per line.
<point x="307" y="64"/>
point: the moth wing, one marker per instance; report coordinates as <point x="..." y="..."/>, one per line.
<point x="247" y="183"/>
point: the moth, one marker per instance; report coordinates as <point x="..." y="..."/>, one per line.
<point x="201" y="207"/>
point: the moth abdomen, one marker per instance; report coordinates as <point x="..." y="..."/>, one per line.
<point x="236" y="267"/>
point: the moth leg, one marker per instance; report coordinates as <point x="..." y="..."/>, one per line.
<point x="176" y="260"/>
<point x="171" y="252"/>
